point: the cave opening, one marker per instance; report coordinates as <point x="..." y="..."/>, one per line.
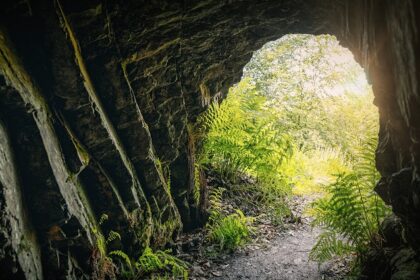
<point x="296" y="139"/>
<point x="101" y="165"/>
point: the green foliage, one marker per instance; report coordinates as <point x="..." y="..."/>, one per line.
<point x="151" y="262"/>
<point x="351" y="212"/>
<point x="230" y="232"/>
<point x="216" y="205"/>
<point x="243" y="136"/>
<point x="127" y="261"/>
<point x="316" y="87"/>
<point x="329" y="245"/>
<point x="197" y="184"/>
<point x="156" y="264"/>
<point x="227" y="231"/>
<point x="294" y="122"/>
<point x="104" y="266"/>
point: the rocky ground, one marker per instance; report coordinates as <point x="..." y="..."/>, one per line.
<point x="276" y="252"/>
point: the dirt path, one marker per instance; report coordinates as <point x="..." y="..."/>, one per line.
<point x="287" y="258"/>
<point x="283" y="257"/>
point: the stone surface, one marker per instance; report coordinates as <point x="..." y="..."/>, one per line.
<point x="97" y="99"/>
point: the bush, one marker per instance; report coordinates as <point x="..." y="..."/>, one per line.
<point x="243" y="136"/>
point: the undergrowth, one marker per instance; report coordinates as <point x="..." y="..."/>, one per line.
<point x="292" y="131"/>
<point x="243" y="137"/>
<point x="161" y="261"/>
<point x="351" y="212"/>
<point x="227" y="231"/>
<point x="159" y="264"/>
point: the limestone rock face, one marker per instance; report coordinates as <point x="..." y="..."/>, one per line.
<point x="97" y="98"/>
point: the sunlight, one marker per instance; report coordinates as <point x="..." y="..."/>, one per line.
<point x="328" y="68"/>
<point x="300" y="125"/>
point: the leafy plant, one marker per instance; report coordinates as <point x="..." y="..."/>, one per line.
<point x="230" y="232"/>
<point x="148" y="263"/>
<point x="227" y="231"/>
<point x="293" y="123"/>
<point x="103" y="261"/>
<point x="351" y="212"/>
<point x="151" y="262"/>
<point x="243" y="136"/>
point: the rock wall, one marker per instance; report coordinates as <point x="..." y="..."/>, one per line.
<point x="97" y="99"/>
<point x="384" y="37"/>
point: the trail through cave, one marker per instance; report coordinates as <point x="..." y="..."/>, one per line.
<point x="286" y="257"/>
<point x="279" y="131"/>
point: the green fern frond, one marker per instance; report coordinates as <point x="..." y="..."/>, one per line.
<point x="103" y="218"/>
<point x="328" y="246"/>
<point x="113" y="235"/>
<point x="123" y="256"/>
<point x="351" y="209"/>
<point x="151" y="262"/>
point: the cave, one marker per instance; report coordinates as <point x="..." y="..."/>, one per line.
<point x="98" y="98"/>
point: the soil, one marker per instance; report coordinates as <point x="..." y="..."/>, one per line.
<point x="278" y="253"/>
<point x="286" y="257"/>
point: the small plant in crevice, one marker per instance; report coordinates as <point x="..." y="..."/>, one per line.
<point x="103" y="263"/>
<point x="227" y="231"/>
<point x="159" y="264"/>
<point x="117" y="264"/>
<point x="351" y="212"/>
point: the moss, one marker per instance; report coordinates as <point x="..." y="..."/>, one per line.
<point x="136" y="189"/>
<point x="70" y="188"/>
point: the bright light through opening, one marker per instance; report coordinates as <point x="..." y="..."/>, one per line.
<point x="327" y="68"/>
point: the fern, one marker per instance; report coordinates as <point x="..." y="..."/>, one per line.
<point x="113" y="235"/>
<point x="328" y="246"/>
<point x="215" y="199"/>
<point x="197" y="186"/>
<point x="351" y="212"/>
<point x="104" y="266"/>
<point x="151" y="262"/>
<point x="230" y="232"/>
<point x="125" y="258"/>
<point x="227" y="231"/>
<point x="103" y="218"/>
<point x="243" y="135"/>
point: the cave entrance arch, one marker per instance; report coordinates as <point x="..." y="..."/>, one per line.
<point x="304" y="101"/>
<point x="149" y="69"/>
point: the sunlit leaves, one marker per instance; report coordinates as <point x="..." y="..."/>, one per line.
<point x="316" y="85"/>
<point x="244" y="135"/>
<point x="351" y="212"/>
